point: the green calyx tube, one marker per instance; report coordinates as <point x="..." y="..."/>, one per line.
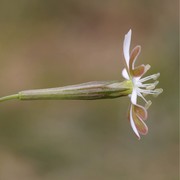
<point x="86" y="91"/>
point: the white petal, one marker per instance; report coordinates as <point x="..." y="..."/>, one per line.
<point x="125" y="74"/>
<point x="134" y="97"/>
<point x="126" y="46"/>
<point x="133" y="124"/>
<point x="137" y="78"/>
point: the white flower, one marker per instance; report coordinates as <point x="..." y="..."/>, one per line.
<point x="137" y="114"/>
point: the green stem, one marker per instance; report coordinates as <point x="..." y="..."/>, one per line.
<point x="10" y="97"/>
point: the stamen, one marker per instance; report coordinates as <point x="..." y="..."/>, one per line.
<point x="156" y="83"/>
<point x="147" y="67"/>
<point x="154" y="77"/>
<point x="150" y="91"/>
<point x="152" y="85"/>
<point x="140" y="95"/>
<point x="148" y="104"/>
<point x="157" y="92"/>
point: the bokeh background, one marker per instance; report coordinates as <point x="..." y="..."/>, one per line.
<point x="56" y="43"/>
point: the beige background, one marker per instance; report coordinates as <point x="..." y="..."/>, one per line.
<point x="56" y="43"/>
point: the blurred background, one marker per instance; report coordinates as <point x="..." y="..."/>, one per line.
<point x="56" y="43"/>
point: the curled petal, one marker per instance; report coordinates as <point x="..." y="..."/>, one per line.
<point x="134" y="54"/>
<point x="132" y="122"/>
<point x="125" y="73"/>
<point x="139" y="123"/>
<point x="126" y="46"/>
<point x="146" y="68"/>
<point x="140" y="111"/>
<point x="138" y="71"/>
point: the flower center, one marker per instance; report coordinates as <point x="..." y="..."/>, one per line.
<point x="142" y="88"/>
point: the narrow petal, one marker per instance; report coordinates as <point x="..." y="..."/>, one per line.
<point x="134" y="97"/>
<point x="125" y="74"/>
<point x="140" y="111"/>
<point x="133" y="123"/>
<point x="126" y="46"/>
<point x="134" y="54"/>
<point x="140" y="125"/>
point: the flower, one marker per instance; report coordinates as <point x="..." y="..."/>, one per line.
<point x="137" y="114"/>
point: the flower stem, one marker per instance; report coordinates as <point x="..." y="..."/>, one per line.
<point x="10" y="97"/>
<point x="86" y="91"/>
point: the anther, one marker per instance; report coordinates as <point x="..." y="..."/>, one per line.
<point x="157" y="92"/>
<point x="152" y="86"/>
<point x="156" y="76"/>
<point x="148" y="104"/>
<point x="147" y="67"/>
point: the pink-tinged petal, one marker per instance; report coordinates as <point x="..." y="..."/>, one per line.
<point x="129" y="112"/>
<point x="140" y="111"/>
<point x="138" y="71"/>
<point x="140" y="125"/>
<point x="126" y="46"/>
<point x="125" y="73"/>
<point x="134" y="97"/>
<point x="134" y="127"/>
<point x="134" y="54"/>
<point x="146" y="68"/>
